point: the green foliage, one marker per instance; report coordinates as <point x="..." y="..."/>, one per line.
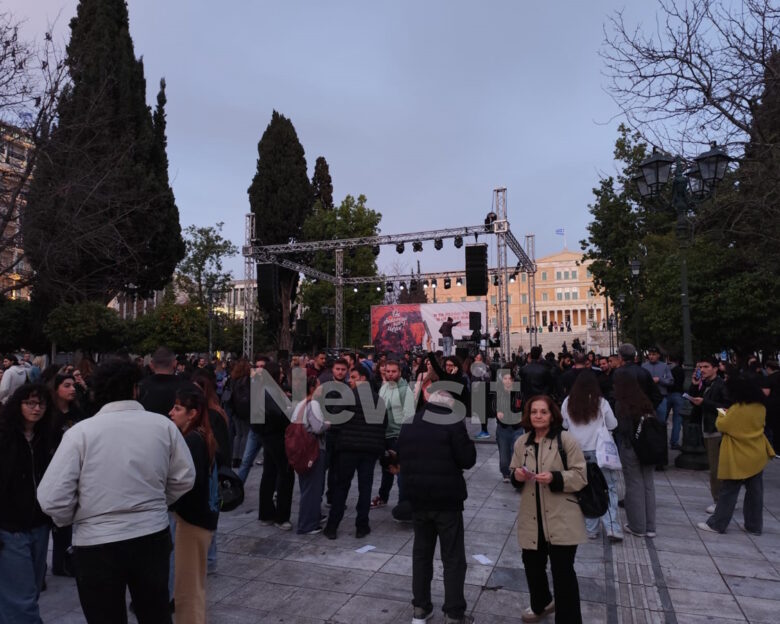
<point x="322" y="184"/>
<point x="280" y="198"/>
<point x="101" y="213"/>
<point x="182" y="328"/>
<point x="352" y="219"/>
<point x="201" y="270"/>
<point x="90" y="326"/>
<point x="15" y="319"/>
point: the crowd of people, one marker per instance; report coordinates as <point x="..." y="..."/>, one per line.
<point x="116" y="462"/>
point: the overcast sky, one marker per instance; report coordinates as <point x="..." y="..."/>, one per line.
<point x="424" y="106"/>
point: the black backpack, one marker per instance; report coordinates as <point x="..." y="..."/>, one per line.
<point x="649" y="441"/>
<point x="240" y="398"/>
<point x="594" y="497"/>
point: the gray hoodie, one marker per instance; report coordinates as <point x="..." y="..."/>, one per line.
<point x="14" y="377"/>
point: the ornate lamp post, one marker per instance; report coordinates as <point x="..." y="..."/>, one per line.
<point x="636" y="267"/>
<point x="688" y="189"/>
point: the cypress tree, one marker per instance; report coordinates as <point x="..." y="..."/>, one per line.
<point x="280" y="198"/>
<point x="322" y="184"/>
<point x="101" y="213"/>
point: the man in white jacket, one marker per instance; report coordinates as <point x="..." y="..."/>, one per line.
<point x="14" y="376"/>
<point x="113" y="477"/>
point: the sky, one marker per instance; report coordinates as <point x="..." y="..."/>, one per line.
<point x="423" y="106"/>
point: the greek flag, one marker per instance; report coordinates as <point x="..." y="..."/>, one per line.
<point x="560" y="232"/>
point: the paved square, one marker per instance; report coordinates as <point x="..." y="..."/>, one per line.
<point x="683" y="576"/>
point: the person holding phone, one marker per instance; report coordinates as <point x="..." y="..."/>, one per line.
<point x="550" y="523"/>
<point x="707" y="395"/>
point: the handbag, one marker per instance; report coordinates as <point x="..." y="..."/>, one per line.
<point x="649" y="441"/>
<point x="231" y="489"/>
<point x="593" y="499"/>
<point x="607" y="456"/>
<point x="301" y="446"/>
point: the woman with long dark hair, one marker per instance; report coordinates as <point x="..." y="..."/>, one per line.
<point x="585" y="412"/>
<point x="239" y="384"/>
<point x="66" y="412"/>
<point x="195" y="518"/>
<point x="744" y="452"/>
<point x="548" y="464"/>
<point x="26" y="448"/>
<point x="631" y="404"/>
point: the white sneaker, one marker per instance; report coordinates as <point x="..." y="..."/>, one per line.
<point x="706" y="527"/>
<point x="528" y="614"/>
<point x="711" y="509"/>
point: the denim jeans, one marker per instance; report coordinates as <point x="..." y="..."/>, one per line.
<point x="105" y="572"/>
<point x="310" y="485"/>
<point x="448" y="527"/>
<point x="447" y="345"/>
<point x="22" y="569"/>
<point x="662" y="410"/>
<point x="241" y="441"/>
<point x="610" y="519"/>
<point x="505" y="439"/>
<point x="252" y="448"/>
<point x="751" y="508"/>
<point x="675" y="402"/>
<point x="346" y="464"/>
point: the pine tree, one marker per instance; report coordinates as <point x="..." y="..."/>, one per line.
<point x="101" y="214"/>
<point x="280" y="198"/>
<point x="322" y="184"/>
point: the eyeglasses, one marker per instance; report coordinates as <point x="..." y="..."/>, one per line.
<point x="34" y="404"/>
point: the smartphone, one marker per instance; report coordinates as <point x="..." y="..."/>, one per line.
<point x="529" y="474"/>
<point x="685" y="395"/>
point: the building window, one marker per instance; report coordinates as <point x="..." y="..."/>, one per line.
<point x="544" y="296"/>
<point x="590" y="294"/>
<point x="567" y="295"/>
<point x="492" y="300"/>
<point x="588" y="273"/>
<point x="493" y="321"/>
<point x="558" y="275"/>
<point x="575" y="295"/>
<point x="525" y="320"/>
<point x="522" y="277"/>
<point x="544" y="276"/>
<point x="574" y="274"/>
<point x="509" y="320"/>
<point x="509" y="299"/>
<point x="449" y="299"/>
<point x="524" y="298"/>
<point x="565" y="275"/>
<point x="464" y="298"/>
<point x="559" y="296"/>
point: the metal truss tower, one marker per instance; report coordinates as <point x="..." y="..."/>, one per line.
<point x="500" y="228"/>
<point x="249" y="288"/>
<point x="530" y="248"/>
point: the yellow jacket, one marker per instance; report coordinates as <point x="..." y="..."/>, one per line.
<point x="744" y="450"/>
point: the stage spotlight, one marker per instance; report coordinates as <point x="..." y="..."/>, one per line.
<point x="389" y="286"/>
<point x="417" y="246"/>
<point x="425" y="284"/>
<point x="512" y="278"/>
<point x="412" y="285"/>
<point x="375" y="250"/>
<point x="434" y="283"/>
<point x="401" y="286"/>
<point x="495" y="280"/>
<point x="489" y="220"/>
<point x="458" y="242"/>
<point x="354" y="289"/>
<point x="399" y="247"/>
<point x="447" y="283"/>
<point x="459" y="281"/>
<point x="437" y="243"/>
<point x="379" y="288"/>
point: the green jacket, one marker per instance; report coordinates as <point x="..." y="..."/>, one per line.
<point x="399" y="400"/>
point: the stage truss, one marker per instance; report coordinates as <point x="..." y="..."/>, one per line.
<point x="496" y="224"/>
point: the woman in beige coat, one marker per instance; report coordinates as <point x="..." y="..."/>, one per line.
<point x="549" y="523"/>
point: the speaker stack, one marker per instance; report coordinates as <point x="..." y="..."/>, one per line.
<point x="476" y="270"/>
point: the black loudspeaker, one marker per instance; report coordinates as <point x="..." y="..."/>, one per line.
<point x="462" y="353"/>
<point x="476" y="270"/>
<point x="301" y="327"/>
<point x="268" y="285"/>
<point x="475" y="321"/>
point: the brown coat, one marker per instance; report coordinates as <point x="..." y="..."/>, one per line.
<point x="562" y="521"/>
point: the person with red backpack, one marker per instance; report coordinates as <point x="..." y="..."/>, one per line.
<point x="306" y="452"/>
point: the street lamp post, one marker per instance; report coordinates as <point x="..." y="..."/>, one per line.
<point x="705" y="172"/>
<point x="210" y="293"/>
<point x="619" y="317"/>
<point x="635" y="269"/>
<point x="327" y="312"/>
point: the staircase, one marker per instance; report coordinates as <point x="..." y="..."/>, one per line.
<point x="591" y="339"/>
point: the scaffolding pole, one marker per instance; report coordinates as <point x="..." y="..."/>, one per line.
<point x="249" y="288"/>
<point x="530" y="248"/>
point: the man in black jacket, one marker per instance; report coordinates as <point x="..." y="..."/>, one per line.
<point x="359" y="443"/>
<point x="157" y="393"/>
<point x="535" y="377"/>
<point x="630" y="368"/>
<point x="433" y="451"/>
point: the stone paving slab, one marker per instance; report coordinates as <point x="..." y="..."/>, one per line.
<point x="684" y="576"/>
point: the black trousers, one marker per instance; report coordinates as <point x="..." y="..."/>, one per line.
<point x="346" y="465"/>
<point x="448" y="527"/>
<point x="105" y="572"/>
<point x="565" y="586"/>
<point x="60" y="559"/>
<point x="277" y="477"/>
